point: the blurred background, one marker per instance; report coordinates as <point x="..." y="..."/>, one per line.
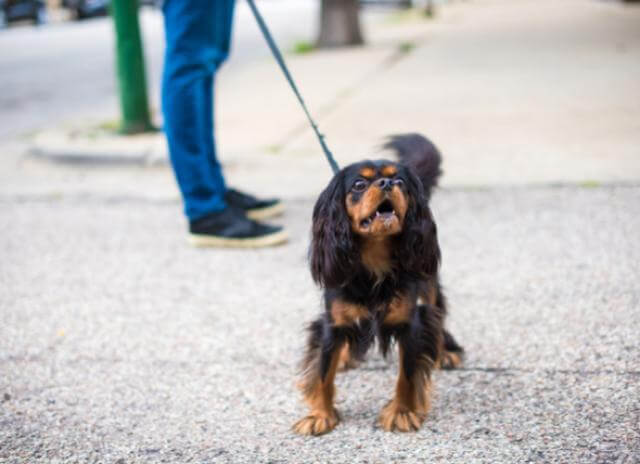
<point x="510" y="91"/>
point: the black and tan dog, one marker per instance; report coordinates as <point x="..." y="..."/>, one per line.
<point x="375" y="252"/>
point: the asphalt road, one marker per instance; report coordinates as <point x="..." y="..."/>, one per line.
<point x="66" y="70"/>
<point x="121" y="344"/>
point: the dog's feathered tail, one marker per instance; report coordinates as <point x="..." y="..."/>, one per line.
<point x="419" y="154"/>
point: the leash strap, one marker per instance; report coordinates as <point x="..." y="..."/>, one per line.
<point x="285" y="70"/>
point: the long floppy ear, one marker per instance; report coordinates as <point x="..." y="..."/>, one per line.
<point x="417" y="249"/>
<point x="332" y="252"/>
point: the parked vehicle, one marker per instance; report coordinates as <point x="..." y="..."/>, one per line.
<point x="87" y="8"/>
<point x="15" y="10"/>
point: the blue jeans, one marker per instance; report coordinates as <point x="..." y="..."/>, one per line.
<point x="198" y="36"/>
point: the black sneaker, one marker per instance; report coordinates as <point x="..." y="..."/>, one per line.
<point x="232" y="229"/>
<point x="254" y="208"/>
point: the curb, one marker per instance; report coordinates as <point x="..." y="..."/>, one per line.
<point x="100" y="147"/>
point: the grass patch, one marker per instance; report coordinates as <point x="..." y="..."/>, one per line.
<point x="109" y="126"/>
<point x="406" y="47"/>
<point x="114" y="126"/>
<point x="589" y="184"/>
<point x="303" y="47"/>
<point x="275" y="149"/>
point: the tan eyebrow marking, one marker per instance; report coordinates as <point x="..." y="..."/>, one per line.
<point x="369" y="173"/>
<point x="389" y="171"/>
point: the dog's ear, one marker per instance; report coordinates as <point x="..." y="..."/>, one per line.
<point x="417" y="248"/>
<point x="332" y="252"/>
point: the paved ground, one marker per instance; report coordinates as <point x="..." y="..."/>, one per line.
<point x="121" y="344"/>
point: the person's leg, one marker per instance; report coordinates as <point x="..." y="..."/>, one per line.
<point x="223" y="25"/>
<point x="198" y="35"/>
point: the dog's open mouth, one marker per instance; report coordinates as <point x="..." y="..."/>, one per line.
<point x="384" y="212"/>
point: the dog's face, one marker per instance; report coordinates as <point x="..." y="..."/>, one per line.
<point x="371" y="202"/>
<point x="377" y="198"/>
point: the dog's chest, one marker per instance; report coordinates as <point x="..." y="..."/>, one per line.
<point x="376" y="258"/>
<point x="375" y="295"/>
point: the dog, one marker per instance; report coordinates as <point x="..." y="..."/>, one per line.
<point x="375" y="252"/>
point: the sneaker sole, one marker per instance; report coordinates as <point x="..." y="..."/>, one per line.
<point x="265" y="213"/>
<point x="254" y="242"/>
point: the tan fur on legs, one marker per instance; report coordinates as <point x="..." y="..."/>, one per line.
<point x="411" y="403"/>
<point x="450" y="360"/>
<point x="319" y="394"/>
<point x="345" y="361"/>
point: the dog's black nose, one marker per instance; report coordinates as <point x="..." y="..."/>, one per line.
<point x="384" y="184"/>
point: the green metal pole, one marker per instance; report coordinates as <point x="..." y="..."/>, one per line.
<point x="130" y="63"/>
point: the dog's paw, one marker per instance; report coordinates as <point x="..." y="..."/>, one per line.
<point x="347" y="364"/>
<point x="317" y="423"/>
<point x="345" y="360"/>
<point x="399" y="418"/>
<point x="450" y="360"/>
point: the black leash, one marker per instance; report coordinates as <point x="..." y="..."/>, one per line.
<point x="285" y="70"/>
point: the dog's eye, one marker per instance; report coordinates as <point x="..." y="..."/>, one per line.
<point x="360" y="185"/>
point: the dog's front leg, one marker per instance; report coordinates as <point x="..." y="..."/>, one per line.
<point x="417" y="330"/>
<point x="343" y="324"/>
<point x="319" y="369"/>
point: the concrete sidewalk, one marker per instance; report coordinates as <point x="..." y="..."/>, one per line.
<point x="121" y="344"/>
<point x="514" y="93"/>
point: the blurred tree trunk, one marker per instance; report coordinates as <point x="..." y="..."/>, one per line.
<point x="429" y="9"/>
<point x="339" y="24"/>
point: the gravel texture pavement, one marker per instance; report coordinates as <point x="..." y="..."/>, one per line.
<point x="121" y="344"/>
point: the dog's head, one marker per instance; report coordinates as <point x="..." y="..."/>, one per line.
<point x="371" y="205"/>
